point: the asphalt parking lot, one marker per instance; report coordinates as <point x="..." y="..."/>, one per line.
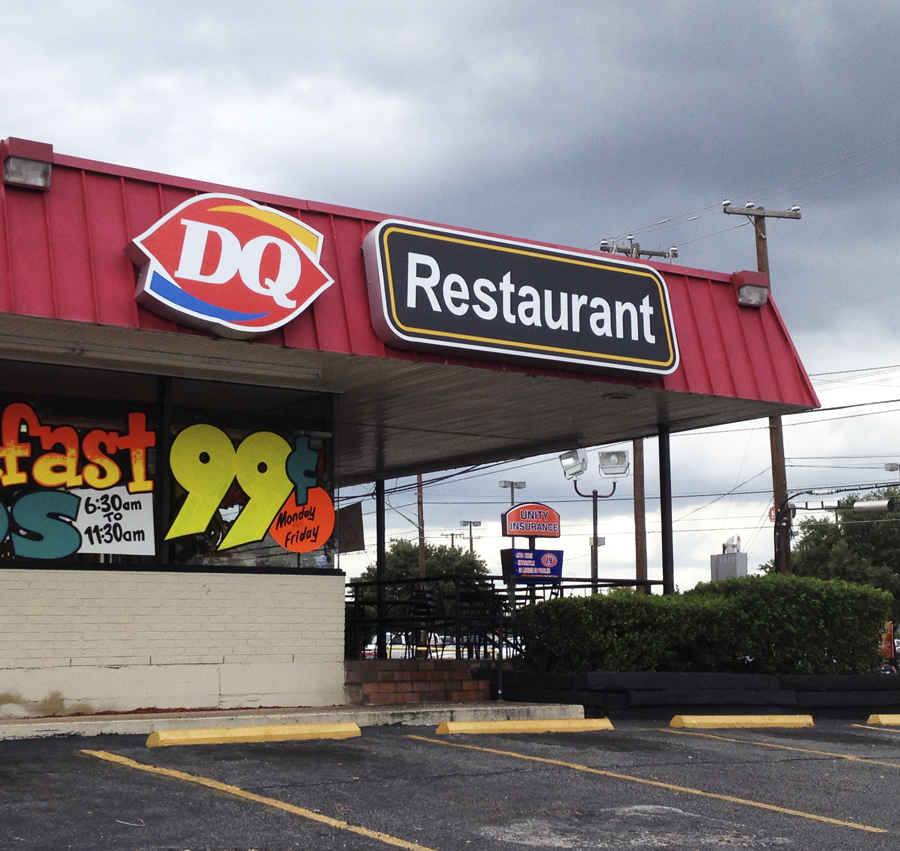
<point x="642" y="785"/>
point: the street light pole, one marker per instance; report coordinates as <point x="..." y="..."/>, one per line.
<point x="470" y="524"/>
<point x="513" y="487"/>
<point x="758" y="216"/>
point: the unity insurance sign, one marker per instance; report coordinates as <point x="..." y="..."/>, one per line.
<point x="433" y="288"/>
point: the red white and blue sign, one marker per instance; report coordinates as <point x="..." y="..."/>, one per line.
<point x="532" y="565"/>
<point x="229" y="266"/>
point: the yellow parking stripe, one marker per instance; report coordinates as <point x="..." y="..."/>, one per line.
<point x="879" y="729"/>
<point x="786" y="747"/>
<point x="259" y="799"/>
<point x="731" y="799"/>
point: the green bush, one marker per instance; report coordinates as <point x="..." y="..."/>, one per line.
<point x="765" y="624"/>
<point x="801" y="625"/>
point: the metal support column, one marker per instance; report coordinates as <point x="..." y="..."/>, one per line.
<point x="380" y="568"/>
<point x="665" y="511"/>
<point x="640" y="519"/>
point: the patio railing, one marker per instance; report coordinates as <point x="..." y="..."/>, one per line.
<point x="459" y="617"/>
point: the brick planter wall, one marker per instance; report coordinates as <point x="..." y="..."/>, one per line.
<point x="383" y="681"/>
<point x="601" y="692"/>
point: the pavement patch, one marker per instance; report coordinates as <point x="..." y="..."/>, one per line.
<point x="529" y="725"/>
<point x="267" y="733"/>
<point x="719" y="722"/>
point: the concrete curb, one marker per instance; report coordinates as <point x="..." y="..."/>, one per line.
<point x="530" y="725"/>
<point x="413" y="715"/>
<point x="885" y="720"/>
<point x="269" y="733"/>
<point x="719" y="722"/>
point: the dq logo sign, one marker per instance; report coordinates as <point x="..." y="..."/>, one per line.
<point x="229" y="266"/>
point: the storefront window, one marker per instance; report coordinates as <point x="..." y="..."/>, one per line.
<point x="104" y="467"/>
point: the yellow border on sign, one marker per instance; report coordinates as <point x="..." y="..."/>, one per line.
<point x="528" y="253"/>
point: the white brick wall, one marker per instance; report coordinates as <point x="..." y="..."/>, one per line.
<point x="129" y="640"/>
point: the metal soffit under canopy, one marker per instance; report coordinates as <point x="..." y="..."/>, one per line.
<point x="67" y="297"/>
<point x="398" y="417"/>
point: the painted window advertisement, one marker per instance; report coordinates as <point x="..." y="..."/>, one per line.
<point x="68" y="491"/>
<point x="257" y="496"/>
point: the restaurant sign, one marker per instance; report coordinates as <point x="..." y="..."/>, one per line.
<point x="229" y="266"/>
<point x="459" y="292"/>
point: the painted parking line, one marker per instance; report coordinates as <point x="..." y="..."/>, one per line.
<point x="878" y="729"/>
<point x="671" y="787"/>
<point x="227" y="788"/>
<point x="794" y="748"/>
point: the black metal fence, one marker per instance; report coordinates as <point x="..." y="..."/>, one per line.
<point x="453" y="617"/>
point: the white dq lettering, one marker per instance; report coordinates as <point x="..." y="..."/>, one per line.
<point x="233" y="259"/>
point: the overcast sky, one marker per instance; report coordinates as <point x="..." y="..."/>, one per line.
<point x="566" y="122"/>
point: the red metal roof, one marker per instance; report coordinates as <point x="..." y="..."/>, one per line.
<point x="62" y="259"/>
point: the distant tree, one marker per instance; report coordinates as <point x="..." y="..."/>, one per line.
<point x="404" y="600"/>
<point x="860" y="548"/>
<point x="402" y="561"/>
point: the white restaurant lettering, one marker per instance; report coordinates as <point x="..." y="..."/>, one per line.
<point x="524" y="305"/>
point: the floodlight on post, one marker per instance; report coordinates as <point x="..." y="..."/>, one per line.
<point x="892" y="467"/>
<point x="613" y="465"/>
<point x="26" y="164"/>
<point x="574" y="463"/>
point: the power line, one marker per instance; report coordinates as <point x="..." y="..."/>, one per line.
<point x="789" y="184"/>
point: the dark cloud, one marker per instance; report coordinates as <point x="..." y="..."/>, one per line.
<point x="565" y="122"/>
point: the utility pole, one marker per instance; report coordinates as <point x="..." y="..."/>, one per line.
<point x="421" y="506"/>
<point x="757" y="217"/>
<point x="633" y="249"/>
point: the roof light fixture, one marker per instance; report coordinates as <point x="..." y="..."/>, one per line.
<point x="752" y="288"/>
<point x="27" y="164"/>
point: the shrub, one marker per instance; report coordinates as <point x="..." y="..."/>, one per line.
<point x="801" y="625"/>
<point x="766" y="624"/>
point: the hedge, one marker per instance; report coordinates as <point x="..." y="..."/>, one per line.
<point x="758" y="624"/>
